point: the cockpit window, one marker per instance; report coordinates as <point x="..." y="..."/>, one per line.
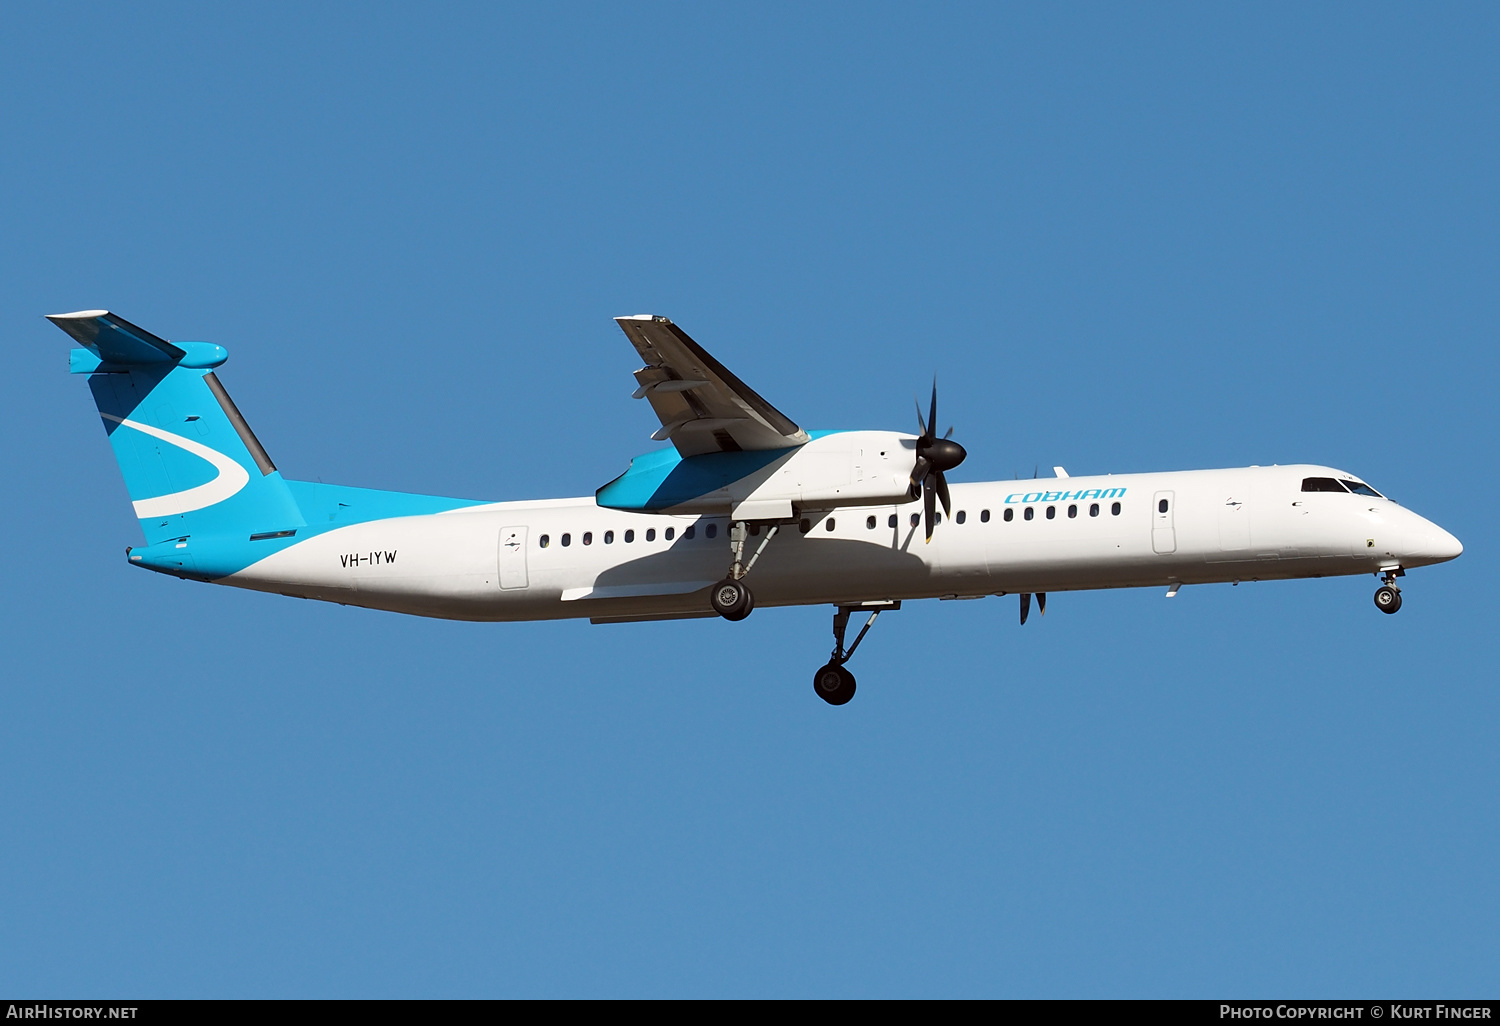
<point x="1321" y="484"/>
<point x="1360" y="488"/>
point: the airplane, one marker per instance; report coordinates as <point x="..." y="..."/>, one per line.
<point x="743" y="494"/>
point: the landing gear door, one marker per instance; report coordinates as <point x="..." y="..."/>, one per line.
<point x="512" y="558"/>
<point x="1163" y="535"/>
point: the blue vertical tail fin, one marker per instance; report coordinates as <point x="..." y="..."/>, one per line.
<point x="191" y="464"/>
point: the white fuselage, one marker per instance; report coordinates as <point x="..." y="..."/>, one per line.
<point x="490" y="562"/>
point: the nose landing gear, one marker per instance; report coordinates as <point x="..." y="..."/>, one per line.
<point x="1388" y="596"/>
<point x="832" y="683"/>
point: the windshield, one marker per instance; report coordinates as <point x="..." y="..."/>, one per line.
<point x="1360" y="488"/>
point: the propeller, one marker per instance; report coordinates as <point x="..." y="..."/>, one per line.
<point x="934" y="456"/>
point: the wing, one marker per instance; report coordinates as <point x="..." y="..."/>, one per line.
<point x="702" y="406"/>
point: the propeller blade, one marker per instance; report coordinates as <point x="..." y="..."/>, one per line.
<point x="920" y="471"/>
<point x="1025" y="606"/>
<point x="949" y="432"/>
<point x="929" y="496"/>
<point x="921" y="424"/>
<point x="934" y="456"/>
<point x="1041" y="602"/>
<point x="932" y="416"/>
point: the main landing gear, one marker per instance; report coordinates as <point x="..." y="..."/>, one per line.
<point x="1388" y="596"/>
<point x="731" y="597"/>
<point x="833" y="683"/>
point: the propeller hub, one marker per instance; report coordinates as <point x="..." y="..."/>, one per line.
<point x="942" y="453"/>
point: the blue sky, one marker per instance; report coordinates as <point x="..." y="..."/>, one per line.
<point x="1124" y="239"/>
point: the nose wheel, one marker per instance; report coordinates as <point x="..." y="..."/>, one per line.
<point x="1388" y="596"/>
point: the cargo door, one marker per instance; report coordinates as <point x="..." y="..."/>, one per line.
<point x="1234" y="519"/>
<point x="512" y="558"/>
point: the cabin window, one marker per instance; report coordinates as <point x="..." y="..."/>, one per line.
<point x="1161" y="507"/>
<point x="650" y="534"/>
<point x="1051" y="512"/>
<point x="667" y="534"/>
<point x="1360" y="488"/>
<point x="1072" y="512"/>
<point x="588" y="537"/>
<point x="711" y="530"/>
<point x="962" y="516"/>
<point x="566" y="540"/>
<point x="804" y="525"/>
<point x="609" y="538"/>
<point x="1321" y="484"/>
<point x="892" y="521"/>
<point x="916" y="518"/>
<point x="870" y="523"/>
<point x="1010" y="515"/>
<point x="1093" y="509"/>
<point x="688" y="532"/>
<point x="545" y="541"/>
<point x="1030" y="513"/>
<point x="629" y="536"/>
<point x="1114" y="510"/>
<point x="984" y="516"/>
<point x="828" y="524"/>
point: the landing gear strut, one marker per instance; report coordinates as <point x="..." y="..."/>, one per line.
<point x="833" y="683"/>
<point x="731" y="597"/>
<point x="1388" y="596"/>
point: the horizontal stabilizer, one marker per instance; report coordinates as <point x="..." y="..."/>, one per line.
<point x="114" y="339"/>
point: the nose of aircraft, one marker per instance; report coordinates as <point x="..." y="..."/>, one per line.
<point x="1432" y="544"/>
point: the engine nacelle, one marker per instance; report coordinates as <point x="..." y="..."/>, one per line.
<point x="835" y="468"/>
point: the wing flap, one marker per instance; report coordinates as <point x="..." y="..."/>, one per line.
<point x="702" y="405"/>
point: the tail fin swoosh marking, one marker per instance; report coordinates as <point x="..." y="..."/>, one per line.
<point x="230" y="479"/>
